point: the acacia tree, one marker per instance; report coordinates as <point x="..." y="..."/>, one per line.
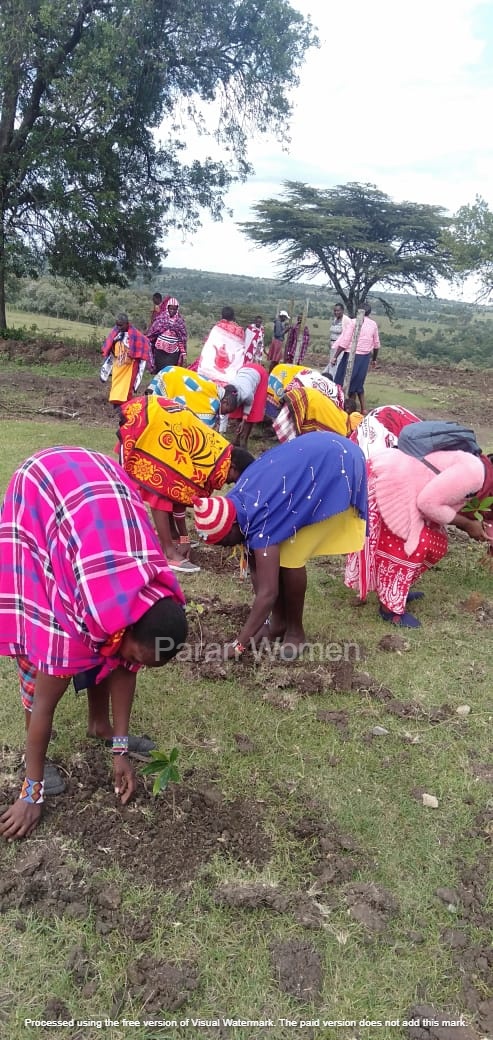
<point x="470" y="239"/>
<point x="355" y="235"/>
<point x="85" y="185"/>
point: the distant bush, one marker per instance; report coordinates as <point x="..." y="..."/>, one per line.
<point x="454" y="332"/>
<point x="21" y="333"/>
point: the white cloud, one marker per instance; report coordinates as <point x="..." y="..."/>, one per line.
<point x="399" y="95"/>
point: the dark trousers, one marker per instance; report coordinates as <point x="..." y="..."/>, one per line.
<point x="162" y="358"/>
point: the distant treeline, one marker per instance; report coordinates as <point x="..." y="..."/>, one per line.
<point x="445" y="331"/>
<point x="454" y="341"/>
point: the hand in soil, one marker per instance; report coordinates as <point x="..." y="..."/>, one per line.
<point x="20" y="820"/>
<point x="124" y="777"/>
<point x="231" y="653"/>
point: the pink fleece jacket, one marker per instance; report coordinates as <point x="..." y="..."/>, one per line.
<point x="408" y="492"/>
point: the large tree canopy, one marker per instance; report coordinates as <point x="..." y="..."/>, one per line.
<point x="84" y="85"/>
<point x="355" y="235"/>
<point x="470" y="239"/>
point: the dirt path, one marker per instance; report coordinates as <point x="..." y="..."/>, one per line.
<point x="449" y="393"/>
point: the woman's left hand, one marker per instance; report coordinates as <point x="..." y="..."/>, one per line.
<point x="124" y="777"/>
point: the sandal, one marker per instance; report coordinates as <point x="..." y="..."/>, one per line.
<point x="53" y="780"/>
<point x="400" y="620"/>
<point x="183" y="566"/>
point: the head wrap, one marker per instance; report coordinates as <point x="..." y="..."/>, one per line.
<point x="172" y="302"/>
<point x="214" y="517"/>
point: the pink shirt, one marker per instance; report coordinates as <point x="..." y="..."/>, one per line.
<point x="368" y="339"/>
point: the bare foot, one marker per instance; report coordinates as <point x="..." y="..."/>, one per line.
<point x="181" y="549"/>
<point x="292" y="645"/>
<point x="99" y="731"/>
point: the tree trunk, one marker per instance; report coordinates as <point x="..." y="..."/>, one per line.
<point x="352" y="350"/>
<point x="3" y="314"/>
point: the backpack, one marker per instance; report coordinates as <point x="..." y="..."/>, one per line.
<point x="421" y="438"/>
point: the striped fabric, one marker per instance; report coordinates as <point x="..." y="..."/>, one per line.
<point x="27" y="682"/>
<point x="80" y="561"/>
<point x="284" y="426"/>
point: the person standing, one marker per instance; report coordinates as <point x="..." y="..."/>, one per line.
<point x="168" y="336"/>
<point x="366" y="350"/>
<point x="157" y="302"/>
<point x="277" y="342"/>
<point x="254" y="342"/>
<point x="292" y="341"/>
<point x="297" y="343"/>
<point x="339" y="321"/>
<point x="223" y="351"/>
<point x="126" y="352"/>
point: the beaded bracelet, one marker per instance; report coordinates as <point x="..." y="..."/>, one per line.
<point x="32" y="791"/>
<point x="239" y="648"/>
<point x="119" y="745"/>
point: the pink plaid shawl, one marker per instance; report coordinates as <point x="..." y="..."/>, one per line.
<point x="80" y="561"/>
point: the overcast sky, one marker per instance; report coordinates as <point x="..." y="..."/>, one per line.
<point x="399" y="95"/>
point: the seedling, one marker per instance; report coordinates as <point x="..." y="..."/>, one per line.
<point x="478" y="507"/>
<point x="164" y="767"/>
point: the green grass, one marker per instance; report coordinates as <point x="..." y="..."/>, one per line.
<point x="76" y="332"/>
<point x="59" y="328"/>
<point x="407" y="848"/>
<point x="22" y="439"/>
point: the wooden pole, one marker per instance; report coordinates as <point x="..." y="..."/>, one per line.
<point x="352" y="350"/>
<point x="299" y="337"/>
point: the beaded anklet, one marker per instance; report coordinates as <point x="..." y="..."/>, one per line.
<point x="32" y="791"/>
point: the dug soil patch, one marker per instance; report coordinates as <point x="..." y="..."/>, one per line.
<point x="162" y="841"/>
<point x="298" y="969"/>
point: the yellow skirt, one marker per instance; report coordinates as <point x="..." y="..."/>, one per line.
<point x="340" y="534"/>
<point x="122" y="380"/>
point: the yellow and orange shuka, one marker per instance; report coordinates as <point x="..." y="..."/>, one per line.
<point x="169" y="452"/>
<point x="310" y="410"/>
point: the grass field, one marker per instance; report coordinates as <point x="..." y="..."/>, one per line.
<point x="62" y="327"/>
<point x="373" y="902"/>
<point x="59" y="328"/>
<point x="82" y="333"/>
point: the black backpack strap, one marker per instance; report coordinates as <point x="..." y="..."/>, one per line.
<point x="430" y="466"/>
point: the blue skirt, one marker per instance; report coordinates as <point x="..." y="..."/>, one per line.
<point x="358" y="375"/>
